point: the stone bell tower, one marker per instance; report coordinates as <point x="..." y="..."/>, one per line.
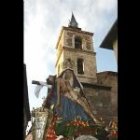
<point x="75" y="50"/>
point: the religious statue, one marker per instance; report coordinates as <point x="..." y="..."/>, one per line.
<point x="68" y="97"/>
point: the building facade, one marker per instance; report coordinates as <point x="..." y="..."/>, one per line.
<point x="111" y="40"/>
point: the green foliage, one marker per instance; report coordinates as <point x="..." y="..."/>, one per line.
<point x="60" y="128"/>
<point x="70" y="130"/>
<point x="66" y="131"/>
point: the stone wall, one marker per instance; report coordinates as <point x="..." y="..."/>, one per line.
<point x="99" y="98"/>
<point x="89" y="75"/>
<point x="110" y="79"/>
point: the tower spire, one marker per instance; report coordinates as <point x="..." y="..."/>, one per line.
<point x="73" y="22"/>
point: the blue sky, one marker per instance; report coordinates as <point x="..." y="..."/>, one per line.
<point x="43" y="20"/>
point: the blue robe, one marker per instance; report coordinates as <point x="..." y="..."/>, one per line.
<point x="69" y="109"/>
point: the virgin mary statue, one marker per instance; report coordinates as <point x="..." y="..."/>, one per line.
<point x="68" y="98"/>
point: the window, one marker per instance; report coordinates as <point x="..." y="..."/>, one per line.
<point x="80" y="66"/>
<point x="78" y="42"/>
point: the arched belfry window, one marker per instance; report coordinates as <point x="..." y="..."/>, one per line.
<point x="80" y="66"/>
<point x="78" y="42"/>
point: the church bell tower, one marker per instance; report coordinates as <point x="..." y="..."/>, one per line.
<point x="75" y="50"/>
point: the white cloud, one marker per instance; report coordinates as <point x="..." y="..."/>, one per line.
<point x="42" y="24"/>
